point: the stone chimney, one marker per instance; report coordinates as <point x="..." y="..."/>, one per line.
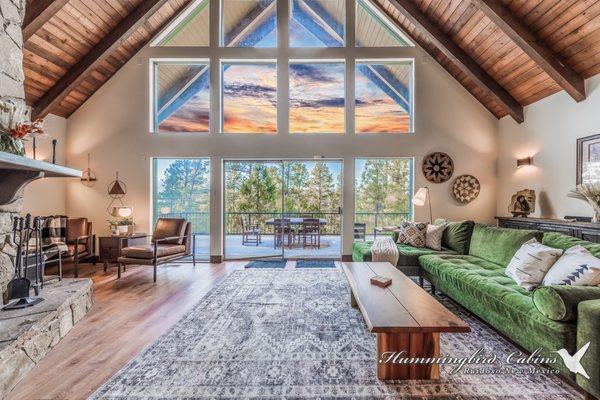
<point x="11" y="89"/>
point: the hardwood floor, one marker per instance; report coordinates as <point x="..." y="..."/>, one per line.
<point x="128" y="315"/>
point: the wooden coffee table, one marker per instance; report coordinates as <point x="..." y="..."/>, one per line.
<point x="406" y="318"/>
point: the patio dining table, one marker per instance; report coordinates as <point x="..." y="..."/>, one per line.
<point x="296" y="221"/>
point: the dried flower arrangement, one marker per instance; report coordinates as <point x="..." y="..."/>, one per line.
<point x="14" y="128"/>
<point x="589" y="192"/>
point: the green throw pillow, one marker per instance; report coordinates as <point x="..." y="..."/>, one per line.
<point x="457" y="235"/>
<point x="559" y="303"/>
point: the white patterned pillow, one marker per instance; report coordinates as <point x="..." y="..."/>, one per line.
<point x="576" y="267"/>
<point x="433" y="237"/>
<point x="531" y="262"/>
<point x="412" y="233"/>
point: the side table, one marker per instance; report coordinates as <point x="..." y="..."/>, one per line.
<point x="110" y="246"/>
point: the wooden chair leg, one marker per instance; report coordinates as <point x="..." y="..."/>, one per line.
<point x="119" y="271"/>
<point x="154" y="272"/>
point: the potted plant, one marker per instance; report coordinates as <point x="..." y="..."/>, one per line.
<point x="14" y="128"/>
<point x="124" y="225"/>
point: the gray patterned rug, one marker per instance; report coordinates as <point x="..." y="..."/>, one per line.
<point x="291" y="334"/>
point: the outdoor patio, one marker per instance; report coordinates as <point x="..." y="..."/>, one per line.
<point x="330" y="248"/>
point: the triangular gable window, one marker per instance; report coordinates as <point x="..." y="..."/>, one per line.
<point x="190" y="28"/>
<point x="373" y="28"/>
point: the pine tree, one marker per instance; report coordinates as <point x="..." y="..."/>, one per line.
<point x="184" y="186"/>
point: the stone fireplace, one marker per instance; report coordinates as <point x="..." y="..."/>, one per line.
<point x="11" y="89"/>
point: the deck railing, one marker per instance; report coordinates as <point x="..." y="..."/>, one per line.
<point x="201" y="220"/>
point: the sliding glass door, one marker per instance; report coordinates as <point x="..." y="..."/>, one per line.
<point x="282" y="208"/>
<point x="181" y="189"/>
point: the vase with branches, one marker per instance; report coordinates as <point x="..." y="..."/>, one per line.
<point x="589" y="192"/>
<point x="15" y="128"/>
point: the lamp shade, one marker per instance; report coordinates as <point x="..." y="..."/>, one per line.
<point x="420" y="197"/>
<point x="122" y="212"/>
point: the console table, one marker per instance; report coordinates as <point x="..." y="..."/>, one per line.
<point x="110" y="246"/>
<point x="582" y="230"/>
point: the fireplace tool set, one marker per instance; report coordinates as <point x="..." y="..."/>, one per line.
<point x="27" y="236"/>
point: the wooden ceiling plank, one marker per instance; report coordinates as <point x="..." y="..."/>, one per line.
<point x="538" y="51"/>
<point x="459" y="57"/>
<point x="37" y="13"/>
<point x="91" y="60"/>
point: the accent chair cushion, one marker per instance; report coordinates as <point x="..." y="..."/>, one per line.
<point x="147" y="251"/>
<point x="412" y="233"/>
<point x="498" y="245"/>
<point x="457" y="235"/>
<point x="531" y="262"/>
<point x="576" y="267"/>
<point x="76" y="227"/>
<point x="559" y="303"/>
<point x="169" y="227"/>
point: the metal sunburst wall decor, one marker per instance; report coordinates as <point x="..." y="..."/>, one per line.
<point x="466" y="188"/>
<point x="438" y="167"/>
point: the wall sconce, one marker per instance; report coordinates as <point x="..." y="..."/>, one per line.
<point x="524" y="162"/>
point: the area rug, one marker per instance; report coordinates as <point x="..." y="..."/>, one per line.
<point x="291" y="334"/>
<point x="279" y="263"/>
<point x="315" y="264"/>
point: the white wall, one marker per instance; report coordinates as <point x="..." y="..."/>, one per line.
<point x="113" y="126"/>
<point x="549" y="134"/>
<point x="48" y="196"/>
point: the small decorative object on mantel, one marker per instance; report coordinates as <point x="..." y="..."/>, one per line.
<point x="589" y="192"/>
<point x="466" y="188"/>
<point x="88" y="178"/>
<point x="588" y="159"/>
<point x="438" y="167"/>
<point x="522" y="203"/>
<point x="14" y="128"/>
<point x="381" y="281"/>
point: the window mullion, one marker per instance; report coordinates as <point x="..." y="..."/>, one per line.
<point x="350" y="65"/>
<point x="283" y="60"/>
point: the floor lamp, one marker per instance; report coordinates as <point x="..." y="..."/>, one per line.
<point x="421" y="197"/>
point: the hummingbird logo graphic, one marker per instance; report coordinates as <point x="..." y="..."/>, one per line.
<point x="573" y="362"/>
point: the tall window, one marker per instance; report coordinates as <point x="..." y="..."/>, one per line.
<point x="318" y="61"/>
<point x="249" y="97"/>
<point x="181" y="97"/>
<point x="317" y="97"/>
<point x="181" y="189"/>
<point x="384" y="190"/>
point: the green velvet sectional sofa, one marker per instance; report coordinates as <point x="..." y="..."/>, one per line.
<point x="470" y="270"/>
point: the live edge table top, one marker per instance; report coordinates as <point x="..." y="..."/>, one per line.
<point x="402" y="307"/>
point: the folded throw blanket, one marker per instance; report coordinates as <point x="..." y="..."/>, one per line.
<point x="384" y="249"/>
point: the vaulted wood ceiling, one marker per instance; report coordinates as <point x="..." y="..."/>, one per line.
<point x="507" y="53"/>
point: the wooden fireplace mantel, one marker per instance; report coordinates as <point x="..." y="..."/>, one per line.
<point x="16" y="172"/>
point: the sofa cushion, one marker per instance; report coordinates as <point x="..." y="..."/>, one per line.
<point x="564" y="242"/>
<point x="481" y="287"/>
<point x="498" y="245"/>
<point x="559" y="303"/>
<point x="146" y="251"/>
<point x="409" y="256"/>
<point x="169" y="227"/>
<point x="457" y="235"/>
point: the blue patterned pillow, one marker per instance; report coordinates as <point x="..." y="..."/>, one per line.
<point x="576" y="267"/>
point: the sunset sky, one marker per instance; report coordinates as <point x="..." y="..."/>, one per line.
<point x="317" y="98"/>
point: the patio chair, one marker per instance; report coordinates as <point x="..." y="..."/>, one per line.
<point x="311" y="233"/>
<point x="360" y="231"/>
<point x="172" y="240"/>
<point x="283" y="229"/>
<point x="251" y="233"/>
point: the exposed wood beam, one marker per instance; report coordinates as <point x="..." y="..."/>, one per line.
<point x="90" y="61"/>
<point x="37" y="13"/>
<point x="534" y="47"/>
<point x="457" y="55"/>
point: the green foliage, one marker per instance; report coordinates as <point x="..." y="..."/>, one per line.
<point x="185" y="186"/>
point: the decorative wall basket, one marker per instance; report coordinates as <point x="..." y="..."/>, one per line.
<point x="438" y="167"/>
<point x="466" y="188"/>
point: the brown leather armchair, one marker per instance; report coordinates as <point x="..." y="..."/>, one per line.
<point x="81" y="244"/>
<point x="172" y="240"/>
